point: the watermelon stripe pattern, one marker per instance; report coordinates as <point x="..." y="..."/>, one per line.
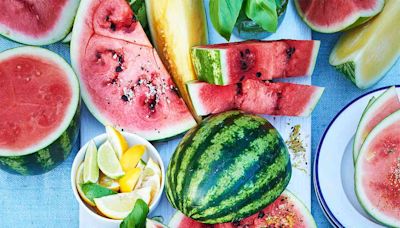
<point x="47" y="158"/>
<point x="229" y="167"/>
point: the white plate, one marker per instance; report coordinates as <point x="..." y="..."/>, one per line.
<point x="334" y="170"/>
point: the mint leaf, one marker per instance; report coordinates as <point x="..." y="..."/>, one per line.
<point x="263" y="12"/>
<point x="223" y="14"/>
<point x="92" y="191"/>
<point x="137" y="217"/>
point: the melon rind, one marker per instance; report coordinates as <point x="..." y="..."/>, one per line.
<point x="309" y="219"/>
<point x="59" y="31"/>
<point x="352" y="20"/>
<point x="308" y="109"/>
<point x="362" y="198"/>
<point x="55" y="148"/>
<point x="176" y="219"/>
<point x="194" y="89"/>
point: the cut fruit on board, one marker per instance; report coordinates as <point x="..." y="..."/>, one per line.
<point x="37" y="22"/>
<point x="124" y="83"/>
<point x="235" y="144"/>
<point x="173" y="44"/>
<point x="382" y="106"/>
<point x="39" y="118"/>
<point x="229" y="63"/>
<point x="286" y="211"/>
<point x="364" y="54"/>
<point x="255" y="96"/>
<point x="377" y="172"/>
<point x="337" y="15"/>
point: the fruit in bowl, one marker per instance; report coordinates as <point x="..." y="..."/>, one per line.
<point x="109" y="183"/>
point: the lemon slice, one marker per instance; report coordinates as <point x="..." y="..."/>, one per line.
<point x="108" y="161"/>
<point x="365" y="53"/>
<point x="128" y="182"/>
<point x="91" y="169"/>
<point x="109" y="183"/>
<point x="131" y="157"/>
<point x="119" y="206"/>
<point x="151" y="177"/>
<point x="141" y="164"/>
<point x="154" y="182"/>
<point x="78" y="182"/>
<point x="117" y="141"/>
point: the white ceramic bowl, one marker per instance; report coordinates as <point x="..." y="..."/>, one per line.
<point x="132" y="139"/>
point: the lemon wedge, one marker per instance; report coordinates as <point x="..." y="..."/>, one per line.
<point x="364" y="54"/>
<point x="154" y="182"/>
<point x="119" y="206"/>
<point x="131" y="157"/>
<point x="91" y="169"/>
<point x="151" y="177"/>
<point x="108" y="161"/>
<point x="117" y="141"/>
<point x="109" y="183"/>
<point x="78" y="182"/>
<point x="128" y="182"/>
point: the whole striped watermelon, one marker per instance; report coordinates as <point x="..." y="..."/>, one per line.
<point x="227" y="168"/>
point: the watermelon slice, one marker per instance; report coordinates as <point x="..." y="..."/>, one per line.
<point x="37" y="22"/>
<point x="384" y="105"/>
<point x="377" y="172"/>
<point x="229" y="63"/>
<point x="255" y="96"/>
<point x="337" y="15"/>
<point x="123" y="81"/>
<point x="39" y="117"/>
<point x="286" y="211"/>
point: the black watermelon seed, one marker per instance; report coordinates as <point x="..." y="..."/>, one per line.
<point x="134" y="18"/>
<point x="236" y="223"/>
<point x="243" y="65"/>
<point x="124" y="98"/>
<point x="113" y="26"/>
<point x="241" y="54"/>
<point x="290" y="51"/>
<point x="261" y="214"/>
<point x="239" y="89"/>
<point x="258" y="74"/>
<point x="241" y="78"/>
<point x="118" y="69"/>
<point x="247" y="51"/>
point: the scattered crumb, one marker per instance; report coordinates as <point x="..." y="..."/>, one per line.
<point x="297" y="149"/>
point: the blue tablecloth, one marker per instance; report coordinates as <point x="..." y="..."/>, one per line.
<point x="47" y="200"/>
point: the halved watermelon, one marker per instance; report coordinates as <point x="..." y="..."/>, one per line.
<point x="286" y="211"/>
<point x="377" y="172"/>
<point x="228" y="63"/>
<point x="337" y="15"/>
<point x="37" y="22"/>
<point x="39" y="118"/>
<point x="384" y="105"/>
<point x="255" y="96"/>
<point x="123" y="81"/>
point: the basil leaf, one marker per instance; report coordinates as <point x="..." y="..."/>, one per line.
<point x="223" y="14"/>
<point x="137" y="217"/>
<point x="263" y="12"/>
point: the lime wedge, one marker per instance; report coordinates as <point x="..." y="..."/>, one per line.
<point x="91" y="169"/>
<point x="108" y="161"/>
<point x="117" y="141"/>
<point x="79" y="182"/>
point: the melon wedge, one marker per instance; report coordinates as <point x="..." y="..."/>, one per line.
<point x="176" y="26"/>
<point x="37" y="22"/>
<point x="255" y="96"/>
<point x="377" y="172"/>
<point x="384" y="105"/>
<point x="366" y="53"/>
<point x="337" y="15"/>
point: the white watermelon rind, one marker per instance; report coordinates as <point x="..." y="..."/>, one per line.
<point x="352" y="20"/>
<point x="60" y="30"/>
<point x="309" y="108"/>
<point x="361" y="196"/>
<point x="70" y="111"/>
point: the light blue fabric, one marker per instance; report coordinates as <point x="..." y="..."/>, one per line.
<point x="47" y="200"/>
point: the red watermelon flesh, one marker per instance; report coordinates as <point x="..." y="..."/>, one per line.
<point x="34" y="97"/>
<point x="255" y="96"/>
<point x="123" y="80"/>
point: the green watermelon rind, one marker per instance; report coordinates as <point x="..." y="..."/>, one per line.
<point x="354" y="20"/>
<point x="61" y="29"/>
<point x="52" y="151"/>
<point x="362" y="199"/>
<point x="207" y="211"/>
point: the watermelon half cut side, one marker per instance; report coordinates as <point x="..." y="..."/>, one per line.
<point x="377" y="172"/>
<point x="37" y="22"/>
<point x="229" y="63"/>
<point x="255" y="96"/>
<point x="337" y="15"/>
<point x="123" y="81"/>
<point x="286" y="211"/>
<point x="39" y="121"/>
<point x="384" y="105"/>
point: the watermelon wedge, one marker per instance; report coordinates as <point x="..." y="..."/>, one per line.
<point x="286" y="211"/>
<point x="37" y="22"/>
<point x="337" y="15"/>
<point x="39" y="118"/>
<point x="255" y="96"/>
<point x="384" y="105"/>
<point x="123" y="81"/>
<point x="229" y="63"/>
<point x="377" y="172"/>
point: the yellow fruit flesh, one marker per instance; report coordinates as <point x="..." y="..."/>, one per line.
<point x="374" y="47"/>
<point x="176" y="26"/>
<point x="117" y="140"/>
<point x="131" y="157"/>
<point x="108" y="182"/>
<point x="78" y="182"/>
<point x="128" y="182"/>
